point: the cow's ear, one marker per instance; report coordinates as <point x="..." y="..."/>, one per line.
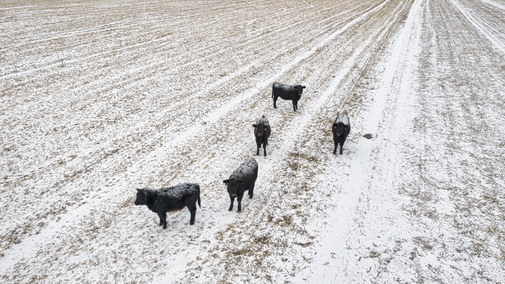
<point x="346" y="126"/>
<point x="303" y="87"/>
<point x="264" y="127"/>
<point x="226" y="181"/>
<point x="255" y="125"/>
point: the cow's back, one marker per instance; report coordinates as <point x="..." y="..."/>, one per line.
<point x="343" y="118"/>
<point x="284" y="91"/>
<point x="247" y="172"/>
<point x="175" y="197"/>
<point x="278" y="86"/>
<point x="263" y="120"/>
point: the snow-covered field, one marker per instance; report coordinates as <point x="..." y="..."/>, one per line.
<point x="100" y="97"/>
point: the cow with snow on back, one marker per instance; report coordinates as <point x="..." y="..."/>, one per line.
<point x="287" y="92"/>
<point x="242" y="179"/>
<point x="340" y="129"/>
<point x="171" y="198"/>
<point x="261" y="133"/>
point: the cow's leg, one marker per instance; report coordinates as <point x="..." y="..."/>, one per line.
<point x="251" y="191"/>
<point x="239" y="200"/>
<point x="294" y="105"/>
<point x="231" y="203"/>
<point x="275" y="101"/>
<point x="163" y="219"/>
<point x="192" y="210"/>
<point x="265" y="148"/>
<point x="335" y="150"/>
<point x="258" y="149"/>
<point x="341" y="147"/>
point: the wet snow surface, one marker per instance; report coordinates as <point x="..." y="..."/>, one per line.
<point x="99" y="98"/>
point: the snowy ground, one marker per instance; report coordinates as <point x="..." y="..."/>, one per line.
<point x="99" y="98"/>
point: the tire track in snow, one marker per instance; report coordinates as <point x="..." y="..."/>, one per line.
<point x="28" y="247"/>
<point x="369" y="196"/>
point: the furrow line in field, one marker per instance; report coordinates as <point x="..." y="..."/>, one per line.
<point x="17" y="7"/>
<point x="147" y="44"/>
<point x="95" y="30"/>
<point x="481" y="26"/>
<point x="133" y="46"/>
<point x="177" y="20"/>
<point x="495" y="4"/>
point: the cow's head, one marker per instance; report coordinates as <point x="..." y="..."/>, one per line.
<point x="338" y="129"/>
<point x="233" y="185"/>
<point x="260" y="129"/>
<point x="299" y="89"/>
<point x="141" y="197"/>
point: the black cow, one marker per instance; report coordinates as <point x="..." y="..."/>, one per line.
<point x="340" y="129"/>
<point x="171" y="198"/>
<point x="241" y="180"/>
<point x="262" y="132"/>
<point x="287" y="92"/>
